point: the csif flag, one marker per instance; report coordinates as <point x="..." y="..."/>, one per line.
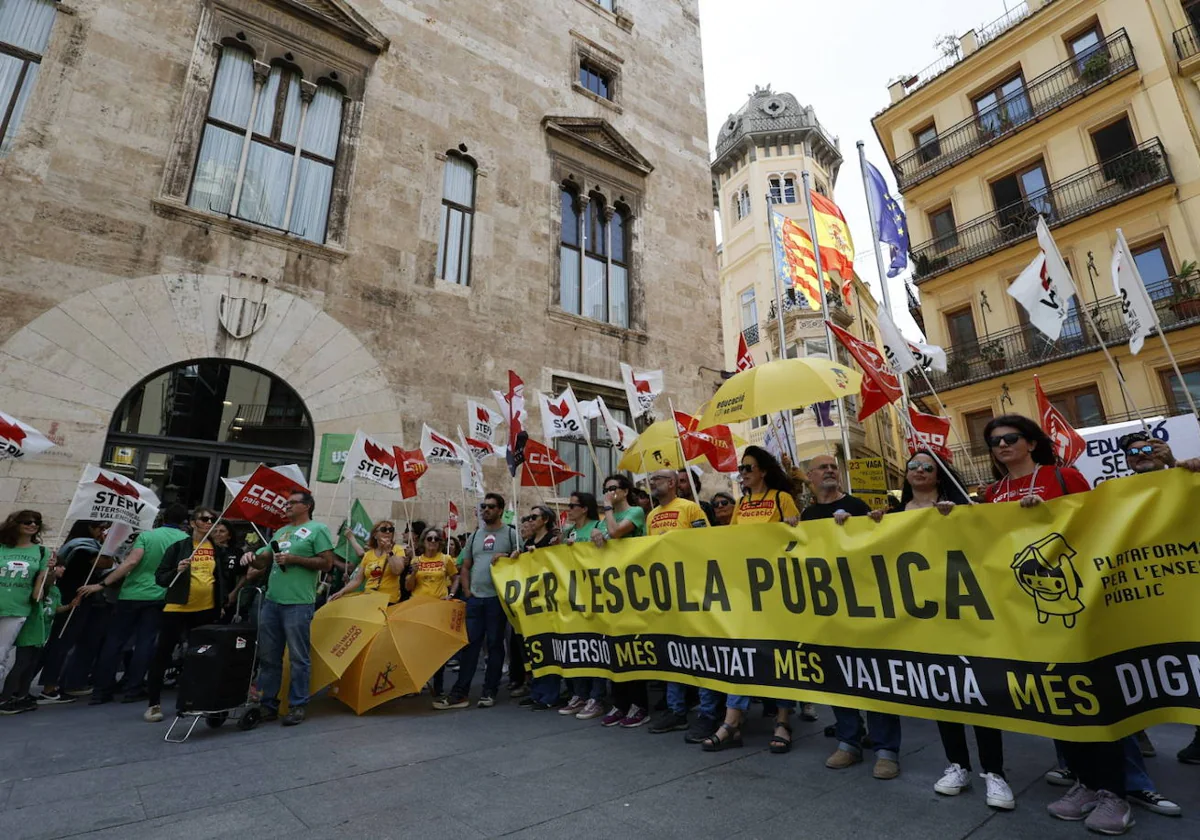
<point x="641" y="388"/>
<point x="512" y="407"/>
<point x="263" y="498"/>
<point x="1044" y="289"/>
<point x="373" y="460"/>
<point x="17" y="439"/>
<point x="744" y="360"/>
<point x="411" y="464"/>
<point x="561" y="416"/>
<point x="891" y="226"/>
<point x="1068" y="443"/>
<point x="928" y="431"/>
<point x="714" y="443"/>
<point x="438" y="449"/>
<point x="482" y="423"/>
<point x="112" y="497"/>
<point x="880" y="385"/>
<point x="543" y="467"/>
<point x="1136" y="307"/>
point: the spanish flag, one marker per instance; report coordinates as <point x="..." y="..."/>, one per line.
<point x="795" y="260"/>
<point x="833" y="236"/>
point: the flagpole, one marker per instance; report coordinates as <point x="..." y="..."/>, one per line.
<point x="789" y="425"/>
<point x="806" y="177"/>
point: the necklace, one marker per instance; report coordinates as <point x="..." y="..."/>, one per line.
<point x="1005" y="482"/>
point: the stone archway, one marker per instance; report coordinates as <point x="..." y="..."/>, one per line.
<point x="66" y="371"/>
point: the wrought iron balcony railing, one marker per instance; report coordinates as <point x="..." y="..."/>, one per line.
<point x="1054" y="89"/>
<point x="1187" y="41"/>
<point x="1177" y="301"/>
<point x="1109" y="182"/>
<point x="751" y="335"/>
<point x="266" y="414"/>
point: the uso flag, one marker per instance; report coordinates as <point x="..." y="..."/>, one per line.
<point x="263" y="499"/>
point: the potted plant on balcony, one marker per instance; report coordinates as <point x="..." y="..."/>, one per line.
<point x="958" y="368"/>
<point x="1095" y="68"/>
<point x="1136" y="168"/>
<point x="1185" y="300"/>
<point x="993" y="354"/>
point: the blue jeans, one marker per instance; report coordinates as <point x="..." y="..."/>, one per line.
<point x="545" y="689"/>
<point x="1136" y="777"/>
<point x="130" y="619"/>
<point x="710" y="700"/>
<point x="589" y="688"/>
<point x="486" y="623"/>
<point x="742" y="703"/>
<point x="279" y="625"/>
<point x="885" y="732"/>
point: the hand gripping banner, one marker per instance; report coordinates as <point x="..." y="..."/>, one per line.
<point x="1075" y="619"/>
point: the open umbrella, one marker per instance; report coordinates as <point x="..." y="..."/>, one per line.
<point x="420" y="635"/>
<point x="340" y="631"/>
<point x="780" y="385"/>
<point x="657" y="448"/>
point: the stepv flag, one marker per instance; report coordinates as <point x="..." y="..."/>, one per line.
<point x="412" y="466"/>
<point x="641" y="388"/>
<point x="891" y="226"/>
<point x="359" y="523"/>
<point x="1136" y="307"/>
<point x="928" y="431"/>
<point x="795" y="260"/>
<point x="512" y="407"/>
<point x="263" y="498"/>
<point x="744" y="360"/>
<point x="1045" y="287"/>
<point x="561" y="416"/>
<point x="880" y="384"/>
<point x="482" y="423"/>
<point x="543" y="467"/>
<point x="19" y="440"/>
<point x="111" y="497"/>
<point x="373" y="460"/>
<point x="833" y="238"/>
<point x="471" y="470"/>
<point x="589" y="409"/>
<point x="439" y="449"/>
<point x="1068" y="443"/>
<point x="481" y="449"/>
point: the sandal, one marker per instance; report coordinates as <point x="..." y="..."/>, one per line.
<point x="779" y="743"/>
<point x="714" y="743"/>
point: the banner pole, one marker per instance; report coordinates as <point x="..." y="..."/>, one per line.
<point x="789" y="445"/>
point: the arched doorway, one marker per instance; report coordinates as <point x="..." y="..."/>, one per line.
<point x="184" y="428"/>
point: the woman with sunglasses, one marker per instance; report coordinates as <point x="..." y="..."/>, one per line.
<point x="583" y="518"/>
<point x="433" y="572"/>
<point x="723" y="506"/>
<point x="382" y="563"/>
<point x="539" y="529"/>
<point x="768" y="498"/>
<point x="23" y="567"/>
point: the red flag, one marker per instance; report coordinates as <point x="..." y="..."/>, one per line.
<point x="744" y="360"/>
<point x="932" y="433"/>
<point x="263" y="498"/>
<point x="1068" y="444"/>
<point x="543" y="467"/>
<point x="714" y="443"/>
<point x="452" y="521"/>
<point x="880" y="385"/>
<point x="411" y="465"/>
<point x="512" y="404"/>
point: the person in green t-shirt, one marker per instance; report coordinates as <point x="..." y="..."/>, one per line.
<point x="297" y="554"/>
<point x="583" y="520"/>
<point x="23" y="565"/>
<point x="30" y="643"/>
<point x="138" y="610"/>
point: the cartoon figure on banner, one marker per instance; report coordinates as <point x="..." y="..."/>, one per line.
<point x="843" y="381"/>
<point x="1044" y="570"/>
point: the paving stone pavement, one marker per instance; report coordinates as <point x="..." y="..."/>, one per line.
<point x="405" y="770"/>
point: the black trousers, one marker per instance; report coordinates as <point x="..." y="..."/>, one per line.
<point x="20" y="678"/>
<point x="632" y="693"/>
<point x="1098" y="765"/>
<point x="174" y="627"/>
<point x="989" y="741"/>
<point x="516" y="658"/>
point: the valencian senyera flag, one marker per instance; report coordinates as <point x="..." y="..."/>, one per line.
<point x="794" y="259"/>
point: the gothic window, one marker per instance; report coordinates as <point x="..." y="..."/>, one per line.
<point x="594" y="257"/>
<point x="458" y="217"/>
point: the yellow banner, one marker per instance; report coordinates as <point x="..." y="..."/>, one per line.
<point x="869" y="480"/>
<point x="1075" y="619"/>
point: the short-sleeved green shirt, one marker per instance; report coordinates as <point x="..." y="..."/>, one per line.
<point x="297" y="585"/>
<point x="19" y="570"/>
<point x="139" y="585"/>
<point x="634" y="514"/>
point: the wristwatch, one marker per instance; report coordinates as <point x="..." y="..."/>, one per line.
<point x="606" y="507"/>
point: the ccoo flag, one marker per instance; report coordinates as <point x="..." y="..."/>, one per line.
<point x="891" y="226"/>
<point x="263" y="498"/>
<point x="1068" y="443"/>
<point x="18" y="440"/>
<point x="880" y="385"/>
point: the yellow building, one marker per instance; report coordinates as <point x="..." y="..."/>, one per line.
<point x="762" y="151"/>
<point x="1083" y="111"/>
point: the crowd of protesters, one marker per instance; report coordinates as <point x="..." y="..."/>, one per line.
<point x="79" y="619"/>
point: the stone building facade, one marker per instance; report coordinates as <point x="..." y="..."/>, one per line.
<point x="326" y="216"/>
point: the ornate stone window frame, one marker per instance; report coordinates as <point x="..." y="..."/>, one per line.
<point x="586" y="51"/>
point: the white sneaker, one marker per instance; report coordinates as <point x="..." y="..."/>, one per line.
<point x="999" y="794"/>
<point x="592" y="709"/>
<point x="153" y="714"/>
<point x="953" y="782"/>
<point x="574" y="706"/>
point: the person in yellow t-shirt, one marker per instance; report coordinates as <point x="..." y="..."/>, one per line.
<point x="672" y="512"/>
<point x="434" y="575"/>
<point x="382" y="566"/>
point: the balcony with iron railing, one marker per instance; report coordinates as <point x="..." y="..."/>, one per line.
<point x="751" y="335"/>
<point x="1109" y="182"/>
<point x="954" y="54"/>
<point x="1187" y="42"/>
<point x="270" y="415"/>
<point x="1055" y="89"/>
<point x="1177" y="301"/>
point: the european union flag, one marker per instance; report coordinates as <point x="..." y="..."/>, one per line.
<point x="891" y="226"/>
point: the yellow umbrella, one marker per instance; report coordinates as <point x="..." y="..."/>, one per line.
<point x="420" y="635"/>
<point x="657" y="448"/>
<point x="779" y="386"/>
<point x="340" y="631"/>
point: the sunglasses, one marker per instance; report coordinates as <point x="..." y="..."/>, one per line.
<point x="745" y="468"/>
<point x="575" y="505"/>
<point x="722" y="503"/>
<point x="533" y="517"/>
<point x="1008" y="439"/>
<point x="489" y="506"/>
<point x="612" y="489"/>
<point x="36" y="522"/>
<point x="205" y="518"/>
<point x="1140" y="450"/>
<point x="387" y="529"/>
<point x="433" y="538"/>
<point x="921" y="467"/>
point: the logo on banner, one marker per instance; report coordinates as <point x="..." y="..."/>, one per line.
<point x="442" y="448"/>
<point x="12" y="433"/>
<point x="563" y="422"/>
<point x="121" y="488"/>
<point x="379" y="463"/>
<point x="1045" y="572"/>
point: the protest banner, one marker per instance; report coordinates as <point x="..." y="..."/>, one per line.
<point x="1103" y="459"/>
<point x="20" y="440"/>
<point x="111" y="497"/>
<point x="334" y="450"/>
<point x="263" y="498"/>
<point x="358" y="523"/>
<point x="868" y="477"/>
<point x="372" y="459"/>
<point x="1074" y="619"/>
